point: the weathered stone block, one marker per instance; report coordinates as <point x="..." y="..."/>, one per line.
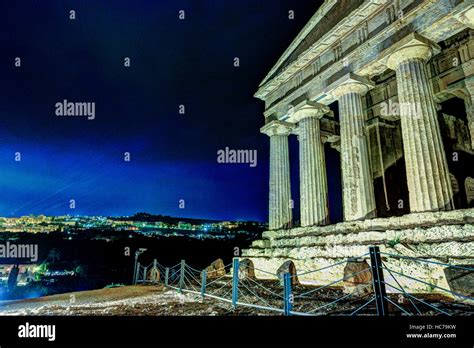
<point x="358" y="278"/>
<point x="153" y="274"/>
<point x="246" y="269"/>
<point x="461" y="281"/>
<point x="357" y="272"/>
<point x="287" y="267"/>
<point x="216" y="269"/>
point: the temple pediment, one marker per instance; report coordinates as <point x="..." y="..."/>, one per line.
<point x="324" y="20"/>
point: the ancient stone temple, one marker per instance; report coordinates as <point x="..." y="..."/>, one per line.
<point x="389" y="85"/>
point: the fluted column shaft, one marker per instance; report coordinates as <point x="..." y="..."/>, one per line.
<point x="469" y="103"/>
<point x="428" y="179"/>
<point x="313" y="179"/>
<point x="358" y="189"/>
<point x="357" y="180"/>
<point x="280" y="205"/>
<point x="470" y="118"/>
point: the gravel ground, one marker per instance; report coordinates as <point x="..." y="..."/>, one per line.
<point x="158" y="300"/>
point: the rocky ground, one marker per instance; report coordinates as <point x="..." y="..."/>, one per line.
<point x="158" y="300"/>
<point x="126" y="300"/>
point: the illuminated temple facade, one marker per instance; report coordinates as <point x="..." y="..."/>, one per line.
<point x="389" y="85"/>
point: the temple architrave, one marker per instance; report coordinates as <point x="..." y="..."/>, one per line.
<point x="389" y="87"/>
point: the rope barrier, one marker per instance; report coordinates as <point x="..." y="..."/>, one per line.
<point x="264" y="288"/>
<point x="228" y="292"/>
<point x="176" y="279"/>
<point x="363" y="306"/>
<point x="194" y="269"/>
<point x="335" y="301"/>
<point x="255" y="295"/>
<point x="252" y="291"/>
<point x="190" y="284"/>
<point x="260" y="307"/>
<point x="178" y="264"/>
<point x="149" y="266"/>
<point x="396" y="281"/>
<point x="330" y="266"/>
<point x="429" y="284"/>
<point x="161" y="268"/>
<point x="428" y="261"/>
<point x="334" y="282"/>
<point x="191" y="279"/>
<point x="173" y="281"/>
<point x="190" y="291"/>
<point x="217" y="297"/>
<point x="301" y="314"/>
<point x="261" y="270"/>
<point x="215" y="280"/>
<point x="160" y="265"/>
<point x="191" y="275"/>
<point x="216" y="291"/>
<point x="330" y="303"/>
<point x="416" y="298"/>
<point x="399" y="307"/>
<point x="245" y="297"/>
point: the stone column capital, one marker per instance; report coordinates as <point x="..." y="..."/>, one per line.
<point x="277" y="127"/>
<point x="307" y="109"/>
<point x="330" y="138"/>
<point x="412" y="46"/>
<point x="349" y="83"/>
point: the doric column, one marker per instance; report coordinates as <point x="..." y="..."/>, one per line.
<point x="428" y="180"/>
<point x="357" y="181"/>
<point x="280" y="204"/>
<point x="313" y="180"/>
<point x="469" y="103"/>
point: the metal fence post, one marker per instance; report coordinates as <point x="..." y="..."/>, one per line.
<point x="378" y="281"/>
<point x="145" y="270"/>
<point x="203" y="282"/>
<point x="181" y="275"/>
<point x="288" y="300"/>
<point x="155" y="269"/>
<point x="134" y="272"/>
<point x="167" y="274"/>
<point x="137" y="274"/>
<point x="235" y="282"/>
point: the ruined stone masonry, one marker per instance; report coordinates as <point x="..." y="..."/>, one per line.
<point x="389" y="85"/>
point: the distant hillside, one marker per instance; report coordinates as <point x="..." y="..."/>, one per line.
<point x="146" y="217"/>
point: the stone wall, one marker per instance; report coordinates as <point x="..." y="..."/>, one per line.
<point x="446" y="237"/>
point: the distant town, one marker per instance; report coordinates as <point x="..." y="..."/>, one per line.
<point x="88" y="252"/>
<point x="146" y="224"/>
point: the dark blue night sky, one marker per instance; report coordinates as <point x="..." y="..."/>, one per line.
<point x="173" y="62"/>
